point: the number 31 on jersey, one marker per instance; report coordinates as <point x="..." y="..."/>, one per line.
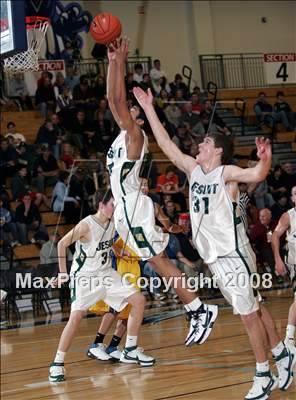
<point x="280" y="68"/>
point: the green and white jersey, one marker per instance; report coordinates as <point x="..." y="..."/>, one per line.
<point x="217" y="228"/>
<point x="291" y="237"/>
<point x="124" y="173"/>
<point x="95" y="255"/>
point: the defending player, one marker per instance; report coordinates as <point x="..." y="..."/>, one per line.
<point x="221" y="240"/>
<point x="93" y="279"/>
<point x="287" y="223"/>
<point x="134" y="212"/>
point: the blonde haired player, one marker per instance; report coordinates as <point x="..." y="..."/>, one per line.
<point x="287" y="223"/>
<point x="220" y="238"/>
<point x="134" y="215"/>
<point x="93" y="279"/>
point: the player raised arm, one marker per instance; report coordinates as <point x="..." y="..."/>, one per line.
<point x="257" y="173"/>
<point x="116" y="94"/>
<point x="282" y="226"/>
<point x="182" y="161"/>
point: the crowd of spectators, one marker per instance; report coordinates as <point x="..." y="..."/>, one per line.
<point x="63" y="167"/>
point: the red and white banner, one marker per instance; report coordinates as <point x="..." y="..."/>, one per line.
<point x="280" y="68"/>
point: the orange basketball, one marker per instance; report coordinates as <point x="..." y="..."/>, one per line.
<point x="105" y="28"/>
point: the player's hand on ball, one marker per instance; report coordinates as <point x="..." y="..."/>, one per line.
<point x="263" y="149"/>
<point x="144" y="99"/>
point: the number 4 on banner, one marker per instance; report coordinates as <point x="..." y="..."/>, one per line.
<point x="282" y="72"/>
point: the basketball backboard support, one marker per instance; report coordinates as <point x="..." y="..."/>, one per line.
<point x="13" y="27"/>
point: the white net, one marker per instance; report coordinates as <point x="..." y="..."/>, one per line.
<point x="28" y="60"/>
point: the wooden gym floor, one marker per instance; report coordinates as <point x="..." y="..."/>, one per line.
<point x="220" y="369"/>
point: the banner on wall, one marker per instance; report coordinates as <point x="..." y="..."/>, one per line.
<point x="52" y="66"/>
<point x="280" y="68"/>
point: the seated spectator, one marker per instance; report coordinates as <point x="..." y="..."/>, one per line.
<point x="104" y="135"/>
<point x="45" y="170"/>
<point x="59" y="84"/>
<point x="19" y="92"/>
<point x="103" y="106"/>
<point x="48" y="134"/>
<point x="130" y="84"/>
<point x="83" y="133"/>
<point x="266" y="115"/>
<point x="289" y="176"/>
<point x="71" y="78"/>
<point x="8" y="231"/>
<point x="27" y="218"/>
<point x="281" y="105"/>
<point x="178" y="84"/>
<point x="280" y="206"/>
<point x="196" y="105"/>
<point x="62" y="202"/>
<point x="162" y="100"/>
<point x="159" y="85"/>
<point x="17" y="137"/>
<point x="138" y="74"/>
<point x="8" y="159"/>
<point x="217" y="123"/>
<point x="100" y="88"/>
<point x="173" y="112"/>
<point x="20" y="185"/>
<point x="260" y="237"/>
<point x="262" y="197"/>
<point x="170" y="211"/>
<point x="168" y="183"/>
<point x="147" y="83"/>
<point x="276" y="181"/>
<point x="189" y="116"/>
<point x="67" y="53"/>
<point x="44" y="97"/>
<point x="67" y="155"/>
<point x="179" y="97"/>
<point x="156" y="72"/>
<point x="65" y="107"/>
<point x="83" y="95"/>
<point x="49" y="250"/>
<point x="81" y="187"/>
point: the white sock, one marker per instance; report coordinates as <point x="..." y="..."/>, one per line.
<point x="131" y="341"/>
<point x="60" y="356"/>
<point x="290" y="332"/>
<point x="194" y="305"/>
<point x="277" y="350"/>
<point x="262" y="367"/>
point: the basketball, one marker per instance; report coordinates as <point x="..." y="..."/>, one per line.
<point x="105" y="28"/>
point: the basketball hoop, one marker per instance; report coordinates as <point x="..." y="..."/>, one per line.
<point x="28" y="60"/>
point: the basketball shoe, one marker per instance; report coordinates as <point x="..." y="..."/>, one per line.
<point x="135" y="355"/>
<point x="263" y="384"/>
<point x="97" y="351"/>
<point x="114" y="353"/>
<point x="285" y="363"/>
<point x="56" y="372"/>
<point x="201" y="324"/>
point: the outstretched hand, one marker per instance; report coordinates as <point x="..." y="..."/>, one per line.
<point x="144" y="99"/>
<point x="263" y="149"/>
<point x="118" y="50"/>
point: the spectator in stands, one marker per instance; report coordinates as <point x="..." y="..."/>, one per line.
<point x="104" y="135"/>
<point x="45" y="170"/>
<point x="170" y="211"/>
<point x="67" y="53"/>
<point x="280" y="206"/>
<point x="265" y="114"/>
<point x="262" y="197"/>
<point x="19" y="92"/>
<point x="178" y="84"/>
<point x="59" y="128"/>
<point x="196" y="105"/>
<point x="217" y="123"/>
<point x="162" y="100"/>
<point x="276" y="181"/>
<point x="8" y="231"/>
<point x="159" y="85"/>
<point x="147" y="83"/>
<point x="83" y="95"/>
<point x="103" y="106"/>
<point x="99" y="88"/>
<point x="260" y="236"/>
<point x="20" y="185"/>
<point x="289" y="176"/>
<point x="168" y="183"/>
<point x="156" y="72"/>
<point x="44" y="97"/>
<point x="49" y="250"/>
<point x="48" y="134"/>
<point x="138" y="74"/>
<point x="8" y="158"/>
<point x="59" y="84"/>
<point x="17" y="137"/>
<point x="81" y="130"/>
<point x="62" y="202"/>
<point x="67" y="155"/>
<point x="282" y="106"/>
<point x="82" y="186"/>
<point x="27" y="218"/>
<point x="189" y="116"/>
<point x="173" y="112"/>
<point x="130" y="84"/>
<point x="65" y="107"/>
<point x="179" y="97"/>
<point x="71" y="78"/>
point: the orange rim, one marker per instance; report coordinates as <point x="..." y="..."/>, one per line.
<point x="31" y="21"/>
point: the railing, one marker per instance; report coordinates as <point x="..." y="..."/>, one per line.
<point x="233" y="70"/>
<point x="92" y="67"/>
